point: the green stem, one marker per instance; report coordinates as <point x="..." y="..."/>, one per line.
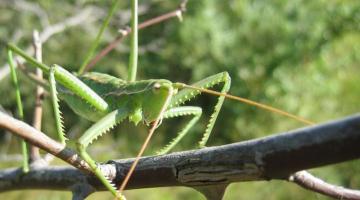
<point x="20" y="108"/>
<point x="92" y="49"/>
<point x="134" y="42"/>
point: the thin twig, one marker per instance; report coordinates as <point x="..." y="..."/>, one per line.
<point x="98" y="37"/>
<point x="28" y="7"/>
<point x="37" y="116"/>
<point x="49" y="31"/>
<point x="308" y="181"/>
<point x="125" y="32"/>
<point x="32" y="76"/>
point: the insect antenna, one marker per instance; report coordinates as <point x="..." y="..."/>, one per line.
<point x="155" y="125"/>
<point x="247" y="101"/>
<point x="143" y="147"/>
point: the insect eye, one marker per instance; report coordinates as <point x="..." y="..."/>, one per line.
<point x="156" y="86"/>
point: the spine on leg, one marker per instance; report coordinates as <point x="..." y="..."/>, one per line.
<point x="57" y="111"/>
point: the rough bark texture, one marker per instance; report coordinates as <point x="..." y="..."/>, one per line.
<point x="274" y="157"/>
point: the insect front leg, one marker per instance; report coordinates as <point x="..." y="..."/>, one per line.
<point x="187" y="93"/>
<point x="66" y="79"/>
<point x="91" y="134"/>
<point x="177" y="112"/>
<point x="55" y="103"/>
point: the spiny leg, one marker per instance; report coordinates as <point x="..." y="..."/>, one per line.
<point x="66" y="79"/>
<point x="79" y="88"/>
<point x="25" y="166"/>
<point x="96" y="130"/>
<point x="55" y="103"/>
<point x="187" y="93"/>
<point x="177" y="112"/>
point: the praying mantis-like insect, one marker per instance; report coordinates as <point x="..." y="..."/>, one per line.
<point x="107" y="100"/>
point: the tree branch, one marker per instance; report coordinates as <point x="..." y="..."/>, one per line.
<point x="39" y="139"/>
<point x="308" y="181"/>
<point x="274" y="157"/>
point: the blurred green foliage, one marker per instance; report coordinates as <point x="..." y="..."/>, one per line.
<point x="300" y="56"/>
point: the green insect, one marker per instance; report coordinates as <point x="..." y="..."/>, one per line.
<point x="107" y="101"/>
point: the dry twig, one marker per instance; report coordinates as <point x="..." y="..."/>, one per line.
<point x="37" y="116"/>
<point x="49" y="31"/>
<point x="308" y="181"/>
<point x="125" y="32"/>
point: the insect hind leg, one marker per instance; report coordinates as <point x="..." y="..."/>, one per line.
<point x="91" y="134"/>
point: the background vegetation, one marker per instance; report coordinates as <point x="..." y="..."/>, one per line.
<point x="300" y="56"/>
